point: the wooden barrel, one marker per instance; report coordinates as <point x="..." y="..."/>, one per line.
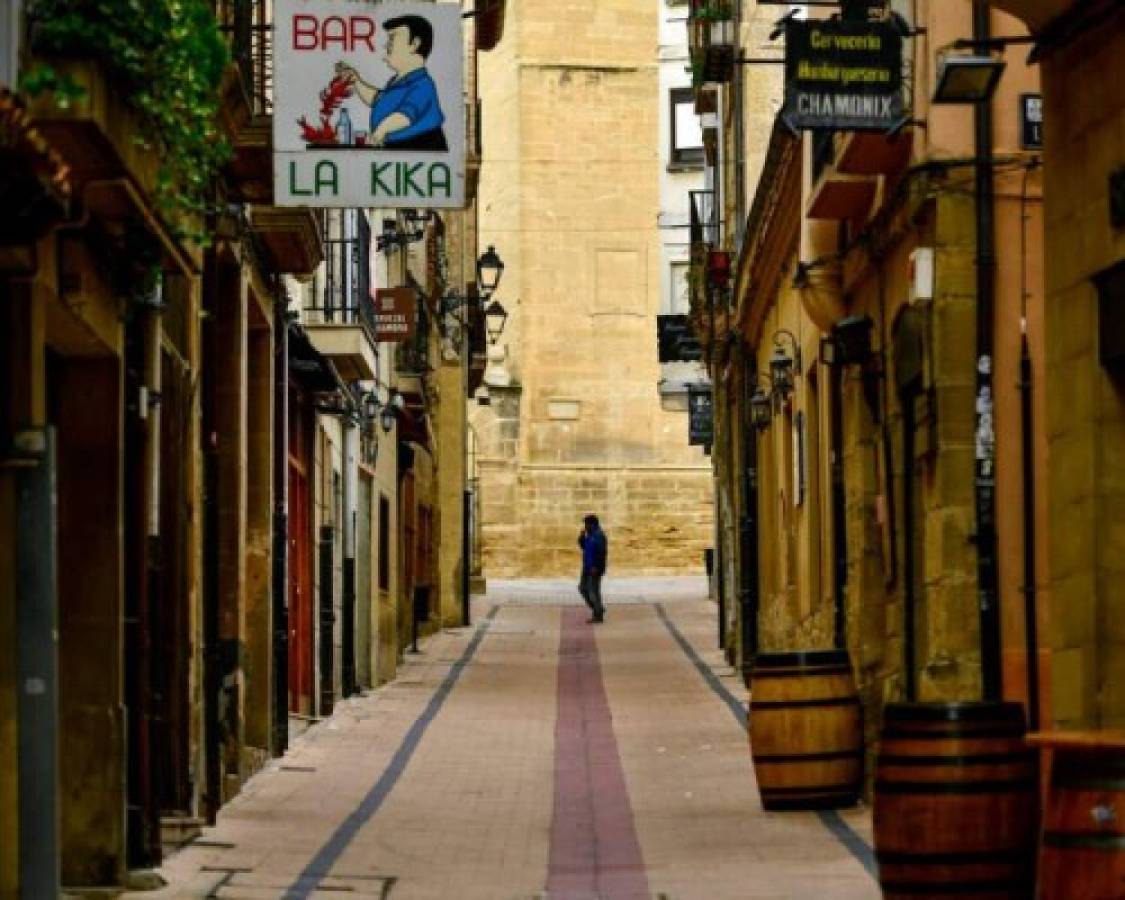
<point x="955" y="802"/>
<point x="806" y="737"/>
<point x="1083" y="851"/>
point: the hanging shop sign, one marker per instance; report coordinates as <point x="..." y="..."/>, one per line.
<point x="395" y="316"/>
<point x="368" y="104"/>
<point x="675" y="340"/>
<point x="1031" y="121"/>
<point x="701" y="420"/>
<point x="843" y="75"/>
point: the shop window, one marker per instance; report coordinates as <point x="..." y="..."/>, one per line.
<point x="686" y="151"/>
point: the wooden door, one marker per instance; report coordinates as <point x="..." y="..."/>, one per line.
<point x="301" y="641"/>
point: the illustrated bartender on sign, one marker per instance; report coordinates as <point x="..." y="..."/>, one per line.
<point x="406" y="114"/>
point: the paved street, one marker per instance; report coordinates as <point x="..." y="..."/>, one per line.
<point x="533" y="756"/>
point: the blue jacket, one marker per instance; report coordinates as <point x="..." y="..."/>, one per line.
<point x="595" y="551"/>
<point x="415" y="96"/>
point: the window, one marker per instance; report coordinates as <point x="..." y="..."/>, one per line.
<point x="687" y="136"/>
<point x="679" y="299"/>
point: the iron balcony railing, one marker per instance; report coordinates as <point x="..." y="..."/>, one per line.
<point x="248" y="25"/>
<point x="345" y="298"/>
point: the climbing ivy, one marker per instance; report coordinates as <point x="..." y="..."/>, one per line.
<point x="168" y="58"/>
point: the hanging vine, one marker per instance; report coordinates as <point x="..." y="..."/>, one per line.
<point x="167" y="57"/>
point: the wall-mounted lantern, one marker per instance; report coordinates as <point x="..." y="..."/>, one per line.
<point x="490" y="268"/>
<point x="784" y="366"/>
<point x="496" y="317"/>
<point x="761" y="409"/>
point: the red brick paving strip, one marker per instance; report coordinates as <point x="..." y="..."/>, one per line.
<point x="594" y="852"/>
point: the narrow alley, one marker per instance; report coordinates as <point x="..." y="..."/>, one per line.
<point x="534" y="755"/>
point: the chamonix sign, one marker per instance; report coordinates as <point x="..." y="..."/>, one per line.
<point x="368" y="104"/>
<point x="843" y="75"/>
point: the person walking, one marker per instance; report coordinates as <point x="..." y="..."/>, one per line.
<point x="595" y="551"/>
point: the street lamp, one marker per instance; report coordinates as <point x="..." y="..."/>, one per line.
<point x="490" y="267"/>
<point x="370" y="406"/>
<point x="388" y="418"/>
<point x="761" y="409"/>
<point x="782" y="365"/>
<point x="496" y="317"/>
<point x="967" y="79"/>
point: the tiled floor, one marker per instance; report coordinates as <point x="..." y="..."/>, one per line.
<point x="453" y="782"/>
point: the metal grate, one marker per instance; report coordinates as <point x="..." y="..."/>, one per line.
<point x="248" y="25"/>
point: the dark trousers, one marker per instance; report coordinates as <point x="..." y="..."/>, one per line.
<point x="427" y="140"/>
<point x="590" y="587"/>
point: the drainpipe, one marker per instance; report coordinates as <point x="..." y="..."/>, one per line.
<point x="909" y="556"/>
<point x="749" y="599"/>
<point x="280" y="617"/>
<point x="1029" y="592"/>
<point x="839" y="513"/>
<point x="985" y="481"/>
<point x="1027" y="435"/>
<point x="347" y="598"/>
<point x="36" y="663"/>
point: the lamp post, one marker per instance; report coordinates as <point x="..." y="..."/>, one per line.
<point x="973" y="79"/>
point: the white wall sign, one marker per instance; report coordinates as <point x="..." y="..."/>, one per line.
<point x="368" y="105"/>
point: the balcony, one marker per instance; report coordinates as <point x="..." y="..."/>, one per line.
<point x="836" y="195"/>
<point x="340" y="327"/>
<point x="37" y="182"/>
<point x="339" y="335"/>
<point x="290" y="236"/>
<point x="94" y="135"/>
<point x="872" y="153"/>
<point x="94" y="140"/>
<point x="247" y="111"/>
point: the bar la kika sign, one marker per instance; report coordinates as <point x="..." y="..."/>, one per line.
<point x="368" y="104"/>
<point x="843" y="75"/>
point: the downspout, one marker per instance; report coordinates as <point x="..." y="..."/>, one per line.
<point x="280" y="740"/>
<point x="839" y="513"/>
<point x="1031" y="630"/>
<point x="750" y="589"/>
<point x="212" y="654"/>
<point x="347" y="590"/>
<point x="909" y="556"/>
<point x="1027" y="436"/>
<point x="985" y="481"/>
<point x="153" y="562"/>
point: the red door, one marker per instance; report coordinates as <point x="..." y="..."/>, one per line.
<point x="300" y="563"/>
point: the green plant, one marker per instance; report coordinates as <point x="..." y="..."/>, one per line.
<point x="715" y="11"/>
<point x="168" y="57"/>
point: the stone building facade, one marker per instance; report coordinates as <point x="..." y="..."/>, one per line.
<point x="570" y="196"/>
<point x="851" y="513"/>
